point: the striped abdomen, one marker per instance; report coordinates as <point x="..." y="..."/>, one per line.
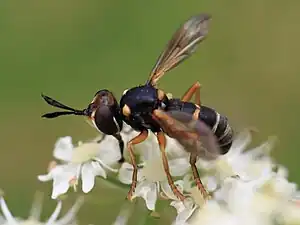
<point x="219" y="125"/>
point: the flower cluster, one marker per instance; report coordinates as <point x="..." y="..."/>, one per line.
<point x="246" y="186"/>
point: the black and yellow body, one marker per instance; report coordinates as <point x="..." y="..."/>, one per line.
<point x="141" y="101"/>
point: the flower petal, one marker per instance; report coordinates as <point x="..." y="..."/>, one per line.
<point x="211" y="183"/>
<point x="98" y="169"/>
<point x="61" y="175"/>
<point x="63" y="149"/>
<point x="148" y="191"/>
<point x="184" y="211"/>
<point x="88" y="177"/>
<point x="59" y="187"/>
<point x="125" y="173"/>
<point x="109" y="150"/>
<point x="149" y="149"/>
<point x="167" y="191"/>
<point x="45" y="177"/>
<point x="179" y="166"/>
<point x="240" y="143"/>
<point x="262" y="150"/>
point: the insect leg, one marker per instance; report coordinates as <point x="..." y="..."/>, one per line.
<point x="136" y="140"/>
<point x="121" y="146"/>
<point x="193" y="159"/>
<point x="194" y="89"/>
<point x="162" y="145"/>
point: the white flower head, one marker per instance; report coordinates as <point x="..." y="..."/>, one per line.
<point x="85" y="161"/>
<point x="247" y="165"/>
<point x="152" y="179"/>
<point x="265" y="198"/>
<point x="34" y="217"/>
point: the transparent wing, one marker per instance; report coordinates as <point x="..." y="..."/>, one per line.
<point x="194" y="135"/>
<point x="181" y="46"/>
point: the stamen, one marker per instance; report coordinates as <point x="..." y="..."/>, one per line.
<point x="106" y="166"/>
<point x="73" y="183"/>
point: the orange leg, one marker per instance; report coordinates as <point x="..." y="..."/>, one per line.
<point x="162" y="145"/>
<point x="194" y="89"/>
<point x="197" y="179"/>
<point x="136" y="140"/>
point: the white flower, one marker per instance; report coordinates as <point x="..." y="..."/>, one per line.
<point x="193" y="191"/>
<point x="34" y="216"/>
<point x="86" y="161"/>
<point x="259" y="196"/>
<point x="195" y="200"/>
<point x="212" y="214"/>
<point x="184" y="210"/>
<point x="174" y="149"/>
<point x="265" y="198"/>
<point x="247" y="165"/>
<point x="152" y="180"/>
<point x="290" y="214"/>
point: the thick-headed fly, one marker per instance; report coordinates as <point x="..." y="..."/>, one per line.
<point x="146" y="107"/>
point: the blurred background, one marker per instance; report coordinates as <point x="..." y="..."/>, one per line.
<point x="248" y="67"/>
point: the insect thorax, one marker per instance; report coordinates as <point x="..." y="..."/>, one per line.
<point x="141" y="100"/>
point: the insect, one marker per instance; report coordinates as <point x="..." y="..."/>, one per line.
<point x="146" y="107"/>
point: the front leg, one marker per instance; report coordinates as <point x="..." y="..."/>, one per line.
<point x="194" y="89"/>
<point x="121" y="146"/>
<point x="136" y="140"/>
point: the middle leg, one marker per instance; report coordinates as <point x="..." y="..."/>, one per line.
<point x="162" y="145"/>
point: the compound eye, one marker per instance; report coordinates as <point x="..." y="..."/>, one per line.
<point x="124" y="92"/>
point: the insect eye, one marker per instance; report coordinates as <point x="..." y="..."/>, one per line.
<point x="124" y="92"/>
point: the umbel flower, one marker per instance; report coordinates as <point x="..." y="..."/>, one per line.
<point x="246" y="185"/>
<point x="85" y="161"/>
<point x="69" y="218"/>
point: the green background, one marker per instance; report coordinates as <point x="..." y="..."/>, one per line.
<point x="248" y="67"/>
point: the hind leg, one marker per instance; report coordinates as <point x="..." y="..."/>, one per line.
<point x="193" y="90"/>
<point x="193" y="159"/>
